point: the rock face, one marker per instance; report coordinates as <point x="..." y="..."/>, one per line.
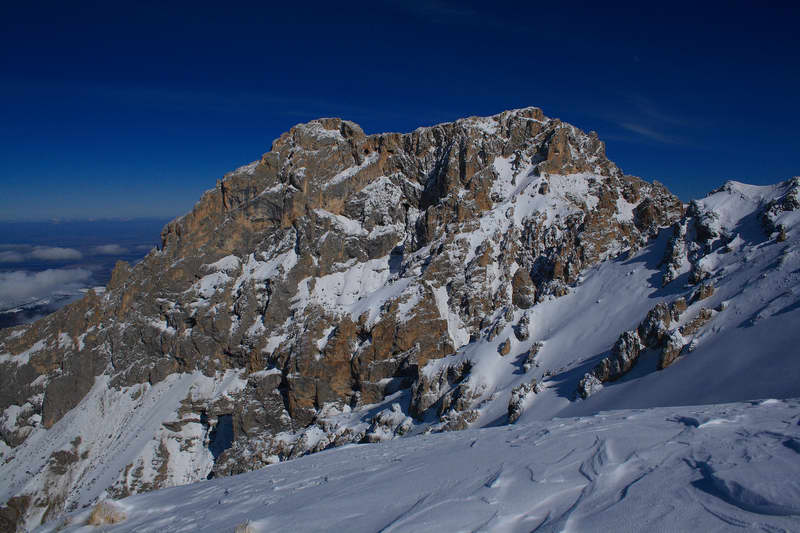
<point x="317" y="281"/>
<point x="518" y="395"/>
<point x="659" y="331"/>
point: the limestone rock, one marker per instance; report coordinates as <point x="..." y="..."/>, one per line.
<point x="518" y="396"/>
<point x="671" y="349"/>
<point x="524" y="292"/>
<point x="652" y="333"/>
<point x="677" y="308"/>
<point x="588" y="385"/>
<point x="521" y="328"/>
<point x="704" y="291"/>
<point x="691" y="327"/>
<point x="389" y="423"/>
<point x="789" y="201"/>
<point x="457" y="420"/>
<point x="430" y="388"/>
<point x="504" y="348"/>
<point x="622" y="358"/>
<point x="530" y="357"/>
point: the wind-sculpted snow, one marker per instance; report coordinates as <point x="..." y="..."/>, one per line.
<point x="713" y="468"/>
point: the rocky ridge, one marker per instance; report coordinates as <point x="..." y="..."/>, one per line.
<point x="323" y="295"/>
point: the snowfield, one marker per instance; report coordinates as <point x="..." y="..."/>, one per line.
<point x="714" y="468"/>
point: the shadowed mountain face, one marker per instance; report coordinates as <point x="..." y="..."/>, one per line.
<point x="351" y="288"/>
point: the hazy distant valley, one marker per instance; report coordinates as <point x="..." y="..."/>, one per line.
<point x="45" y="265"/>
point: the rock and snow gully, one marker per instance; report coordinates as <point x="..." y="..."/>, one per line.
<point x="350" y="288"/>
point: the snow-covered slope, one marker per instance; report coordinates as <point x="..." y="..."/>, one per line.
<point x="117" y="429"/>
<point x="715" y="468"/>
<point x="746" y="350"/>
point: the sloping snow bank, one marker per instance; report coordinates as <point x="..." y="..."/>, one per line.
<point x="704" y="468"/>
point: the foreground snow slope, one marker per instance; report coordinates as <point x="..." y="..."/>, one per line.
<point x="666" y="469"/>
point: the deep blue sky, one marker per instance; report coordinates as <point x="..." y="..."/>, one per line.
<point x="133" y="109"/>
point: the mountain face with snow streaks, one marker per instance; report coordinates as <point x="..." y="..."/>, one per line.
<point x="351" y="288"/>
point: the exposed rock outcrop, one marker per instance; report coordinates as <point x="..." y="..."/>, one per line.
<point x="517" y="400"/>
<point x="652" y="333"/>
<point x="530" y="357"/>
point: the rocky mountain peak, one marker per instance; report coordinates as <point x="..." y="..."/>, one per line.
<point x="323" y="163"/>
<point x="311" y="286"/>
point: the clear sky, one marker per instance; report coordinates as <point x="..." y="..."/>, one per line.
<point x="126" y="109"/>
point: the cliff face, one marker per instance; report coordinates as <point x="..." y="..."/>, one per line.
<point x="302" y="291"/>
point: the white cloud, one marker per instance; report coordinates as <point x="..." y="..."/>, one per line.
<point x="19" y="287"/>
<point x="54" y="253"/>
<point x="21" y="253"/>
<point x="11" y="257"/>
<point x="109" y="249"/>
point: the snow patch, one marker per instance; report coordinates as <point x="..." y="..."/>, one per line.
<point x="455" y="327"/>
<point x="24" y="357"/>
<point x="352" y="171"/>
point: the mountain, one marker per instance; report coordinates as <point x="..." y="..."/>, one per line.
<point x="348" y="288"/>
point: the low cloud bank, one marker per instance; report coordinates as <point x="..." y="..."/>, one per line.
<point x="20" y="287"/>
<point x="22" y="253"/>
<point x="109" y="249"/>
<point x="41" y="253"/>
<point x="11" y="257"/>
<point x="54" y="253"/>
